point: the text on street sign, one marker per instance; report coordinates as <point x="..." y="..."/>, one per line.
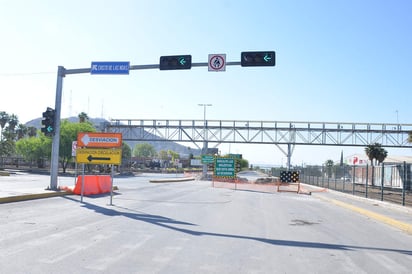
<point x="99" y="156"/>
<point x="110" y="68"/>
<point x="99" y="139"/>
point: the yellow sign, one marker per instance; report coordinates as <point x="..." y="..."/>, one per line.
<point x="99" y="156"/>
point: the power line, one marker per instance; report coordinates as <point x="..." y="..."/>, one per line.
<point x="15" y="74"/>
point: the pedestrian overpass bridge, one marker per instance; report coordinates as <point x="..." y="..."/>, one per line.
<point x="279" y="133"/>
<point x="263" y="132"/>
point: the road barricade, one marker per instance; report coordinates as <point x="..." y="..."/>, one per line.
<point x="289" y="181"/>
<point x="93" y="184"/>
<point x="288" y="187"/>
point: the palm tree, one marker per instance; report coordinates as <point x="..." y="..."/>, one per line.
<point x="329" y="167"/>
<point x="11" y="128"/>
<point x="8" y="133"/>
<point x="31" y="131"/>
<point x="21" y="131"/>
<point x="4" y="118"/>
<point x="381" y="155"/>
<point x="375" y="152"/>
<point x="13" y="122"/>
<point x="83" y="117"/>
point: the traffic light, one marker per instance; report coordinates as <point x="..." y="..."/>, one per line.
<point x="175" y="62"/>
<point x="257" y="58"/>
<point x="48" y="122"/>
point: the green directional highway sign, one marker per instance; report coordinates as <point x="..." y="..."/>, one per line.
<point x="225" y="167"/>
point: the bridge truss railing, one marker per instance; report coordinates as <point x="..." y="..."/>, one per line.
<point x="263" y="132"/>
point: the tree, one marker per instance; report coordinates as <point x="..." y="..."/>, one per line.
<point x="126" y="153"/>
<point x="7" y="147"/>
<point x="8" y="135"/>
<point x="4" y="118"/>
<point x="13" y="122"/>
<point x="68" y="134"/>
<point x="382" y="156"/>
<point x="163" y="155"/>
<point x="375" y="152"/>
<point x="31" y="131"/>
<point x="410" y="137"/>
<point x="329" y="167"/>
<point x="34" y="149"/>
<point x="173" y="155"/>
<point x="21" y="131"/>
<point x="244" y="164"/>
<point x="144" y="150"/>
<point x="83" y="117"/>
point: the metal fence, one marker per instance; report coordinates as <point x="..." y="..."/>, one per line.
<point x="386" y="182"/>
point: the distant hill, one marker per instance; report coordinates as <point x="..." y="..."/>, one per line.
<point x="99" y="123"/>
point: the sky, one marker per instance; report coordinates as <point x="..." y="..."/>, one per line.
<point x="336" y="61"/>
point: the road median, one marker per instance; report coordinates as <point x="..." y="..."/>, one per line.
<point x="26" y="197"/>
<point x="172" y="180"/>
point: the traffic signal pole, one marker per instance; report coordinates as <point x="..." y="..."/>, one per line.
<point x="54" y="166"/>
<point x="62" y="72"/>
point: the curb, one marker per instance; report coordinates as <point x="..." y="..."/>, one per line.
<point x="373" y="215"/>
<point x="26" y="197"/>
<point x="172" y="180"/>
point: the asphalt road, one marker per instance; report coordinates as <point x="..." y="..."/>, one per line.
<point x="192" y="227"/>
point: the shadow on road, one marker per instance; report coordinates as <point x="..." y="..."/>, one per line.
<point x="168" y="223"/>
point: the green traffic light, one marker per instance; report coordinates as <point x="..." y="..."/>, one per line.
<point x="48" y="122"/>
<point x="257" y="58"/>
<point x="182" y="61"/>
<point x="175" y="62"/>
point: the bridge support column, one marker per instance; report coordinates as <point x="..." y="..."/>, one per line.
<point x="204" y="152"/>
<point x="287" y="153"/>
<point x="289" y="156"/>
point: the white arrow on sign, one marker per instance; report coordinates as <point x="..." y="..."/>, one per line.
<point x="99" y="140"/>
<point x="86" y="139"/>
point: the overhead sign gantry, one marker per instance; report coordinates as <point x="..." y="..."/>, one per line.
<point x="172" y="62"/>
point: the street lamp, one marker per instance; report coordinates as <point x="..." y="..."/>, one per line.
<point x="397" y="116"/>
<point x="204" y="150"/>
<point x="204" y="118"/>
<point x="204" y="111"/>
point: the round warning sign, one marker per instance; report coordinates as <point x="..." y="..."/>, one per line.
<point x="217" y="62"/>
